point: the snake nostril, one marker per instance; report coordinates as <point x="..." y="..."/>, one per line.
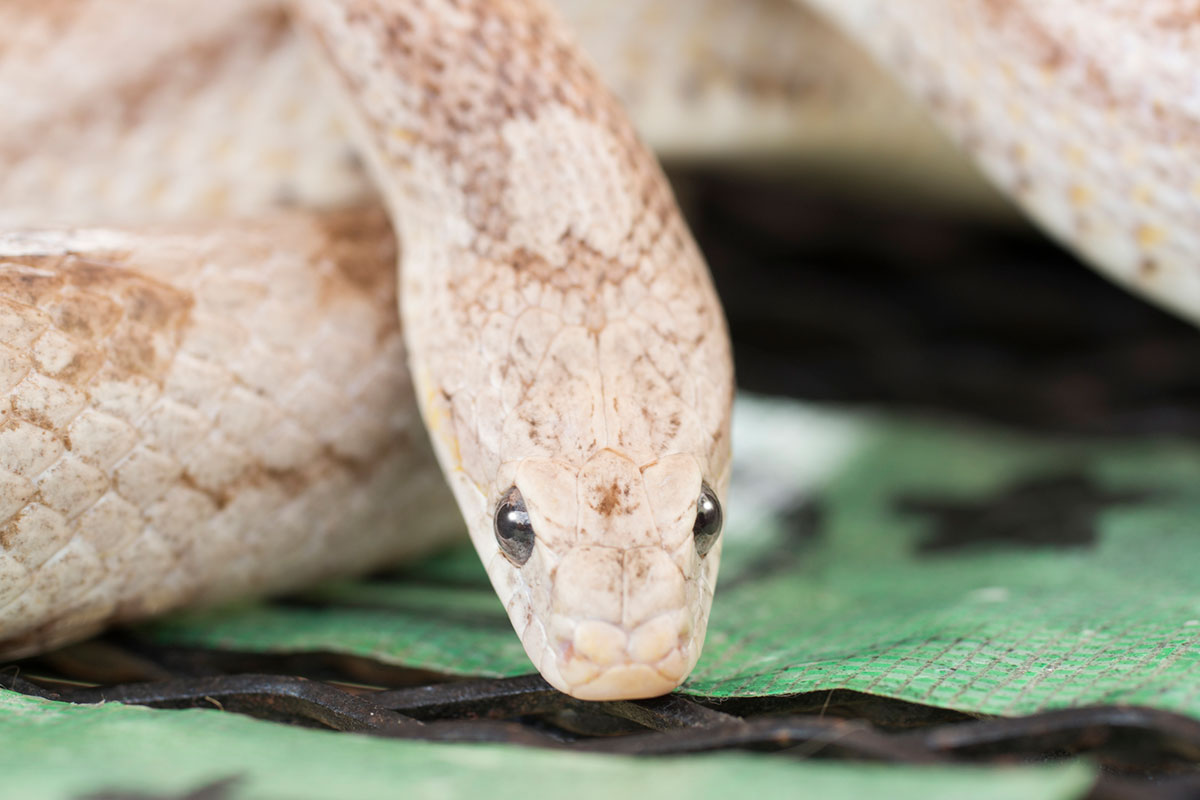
<point x="514" y="531"/>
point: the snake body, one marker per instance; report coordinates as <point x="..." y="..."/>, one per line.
<point x="195" y="410"/>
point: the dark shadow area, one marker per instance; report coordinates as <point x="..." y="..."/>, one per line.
<point x="849" y="300"/>
<point x="1045" y="512"/>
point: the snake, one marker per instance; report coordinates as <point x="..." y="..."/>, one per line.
<point x="210" y="214"/>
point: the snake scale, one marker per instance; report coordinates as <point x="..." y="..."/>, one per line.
<point x="203" y="383"/>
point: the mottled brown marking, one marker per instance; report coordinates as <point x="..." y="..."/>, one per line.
<point x="293" y="482"/>
<point x="34" y="417"/>
<point x="534" y="430"/>
<point x="85" y="363"/>
<point x="84" y="314"/>
<point x="640" y="571"/>
<point x="155" y="306"/>
<point x="182" y="73"/>
<point x="93" y="273"/>
<point x="219" y="499"/>
<point x="1051" y="54"/>
<point x="1172" y="123"/>
<point x="464" y="109"/>
<point x="29" y="280"/>
<point x="115" y="314"/>
<point x="613" y="499"/>
<point x="589" y="269"/>
<point x="8" y="533"/>
<point x="57" y="15"/>
<point x="142" y="299"/>
<point x="1175" y="20"/>
<point x="132" y="350"/>
<point x="361" y="246"/>
<point x="610" y="499"/>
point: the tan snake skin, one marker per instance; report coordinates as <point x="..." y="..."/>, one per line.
<point x="1087" y="114"/>
<point x="195" y="410"/>
<point x="190" y="415"/>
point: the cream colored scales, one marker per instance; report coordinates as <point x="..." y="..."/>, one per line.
<point x="228" y="389"/>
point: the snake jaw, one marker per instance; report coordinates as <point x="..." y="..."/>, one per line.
<point x="626" y="682"/>
<point x="596" y="660"/>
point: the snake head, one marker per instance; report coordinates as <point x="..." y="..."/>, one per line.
<point x="609" y="570"/>
<point x="590" y="459"/>
<point x="593" y="496"/>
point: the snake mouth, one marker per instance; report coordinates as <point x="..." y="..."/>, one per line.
<point x="626" y="682"/>
<point x="596" y="660"/>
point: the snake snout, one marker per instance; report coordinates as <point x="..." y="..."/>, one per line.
<point x="621" y="626"/>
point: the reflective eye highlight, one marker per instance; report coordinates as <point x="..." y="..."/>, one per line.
<point x="707" y="527"/>
<point x="514" y="532"/>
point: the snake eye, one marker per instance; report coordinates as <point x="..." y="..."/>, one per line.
<point x="707" y="527"/>
<point x="514" y="531"/>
